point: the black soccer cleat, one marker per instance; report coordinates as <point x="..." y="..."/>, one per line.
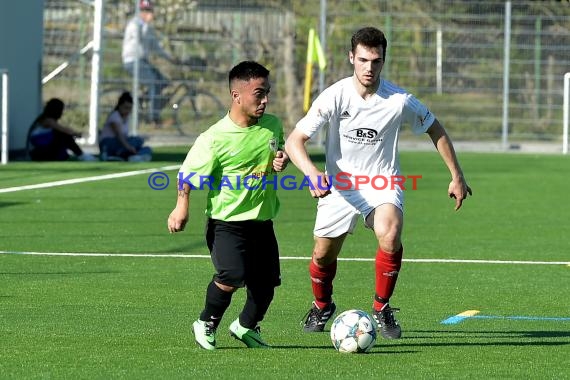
<point x="387" y="325"/>
<point x="316" y="319"/>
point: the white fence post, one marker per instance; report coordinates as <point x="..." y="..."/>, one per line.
<point x="4" y="112"/>
<point x="439" y="60"/>
<point x="566" y="113"/>
<point x="95" y="71"/>
<point x="135" y="89"/>
<point x="506" y="67"/>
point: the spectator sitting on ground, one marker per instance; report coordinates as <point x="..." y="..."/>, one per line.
<point x="114" y="140"/>
<point x="48" y="140"/>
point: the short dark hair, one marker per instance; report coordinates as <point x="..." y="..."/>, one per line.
<point x="247" y="70"/>
<point x="370" y="37"/>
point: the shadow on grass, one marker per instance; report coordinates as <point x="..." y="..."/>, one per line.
<point x="439" y="334"/>
<point x="175" y="157"/>
<point x="374" y="351"/>
<point x="9" y="204"/>
<point x="493" y="338"/>
<point x="455" y="339"/>
<point x="478" y="344"/>
<point x="73" y="273"/>
<point x="190" y="248"/>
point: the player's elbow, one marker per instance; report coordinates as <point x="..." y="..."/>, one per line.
<point x="295" y="141"/>
<point x="435" y="129"/>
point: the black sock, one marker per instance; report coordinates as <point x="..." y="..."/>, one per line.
<point x="217" y="301"/>
<point x="256" y="305"/>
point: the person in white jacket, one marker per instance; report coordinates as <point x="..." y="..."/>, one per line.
<point x="140" y="42"/>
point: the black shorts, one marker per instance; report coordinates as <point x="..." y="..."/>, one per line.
<point x="244" y="253"/>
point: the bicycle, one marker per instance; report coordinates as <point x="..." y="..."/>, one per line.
<point x="188" y="107"/>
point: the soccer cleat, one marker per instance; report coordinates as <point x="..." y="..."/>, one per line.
<point x="250" y="337"/>
<point x="205" y="334"/>
<point x="387" y="325"/>
<point x="316" y="319"/>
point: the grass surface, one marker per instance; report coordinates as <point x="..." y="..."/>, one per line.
<point x="130" y="316"/>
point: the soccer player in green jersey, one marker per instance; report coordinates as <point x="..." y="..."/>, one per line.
<point x="236" y="160"/>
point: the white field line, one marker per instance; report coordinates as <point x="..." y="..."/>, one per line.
<point x="188" y="256"/>
<point x="173" y="167"/>
<point x="85" y="179"/>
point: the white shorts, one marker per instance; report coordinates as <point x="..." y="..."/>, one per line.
<point x="338" y="212"/>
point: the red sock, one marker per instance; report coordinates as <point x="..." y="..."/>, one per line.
<point x="387" y="268"/>
<point x="322" y="281"/>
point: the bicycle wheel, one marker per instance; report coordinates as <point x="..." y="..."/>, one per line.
<point x="195" y="112"/>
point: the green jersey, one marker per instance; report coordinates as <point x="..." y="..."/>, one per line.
<point x="235" y="166"/>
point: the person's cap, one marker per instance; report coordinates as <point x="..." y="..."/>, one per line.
<point x="146" y="5"/>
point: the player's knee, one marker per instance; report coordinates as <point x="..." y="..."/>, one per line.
<point x="326" y="250"/>
<point x="226" y="288"/>
<point x="388" y="237"/>
<point x="323" y="258"/>
<point x="390" y="242"/>
<point x="230" y="281"/>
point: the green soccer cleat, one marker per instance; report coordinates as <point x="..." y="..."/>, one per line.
<point x="250" y="337"/>
<point x="205" y="334"/>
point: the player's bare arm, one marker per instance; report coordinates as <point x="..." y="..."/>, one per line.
<point x="458" y="188"/>
<point x="295" y="148"/>
<point x="179" y="216"/>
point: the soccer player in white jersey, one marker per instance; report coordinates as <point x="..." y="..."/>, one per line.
<point x="233" y="160"/>
<point x="364" y="114"/>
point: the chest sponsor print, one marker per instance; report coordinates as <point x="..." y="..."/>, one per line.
<point x="362" y="136"/>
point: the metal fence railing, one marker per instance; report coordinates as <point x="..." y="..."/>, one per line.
<point x="452" y="54"/>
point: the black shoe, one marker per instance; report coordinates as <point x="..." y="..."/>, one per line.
<point x="316" y="319"/>
<point x="387" y="324"/>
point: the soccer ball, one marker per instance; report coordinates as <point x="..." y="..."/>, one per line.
<point x="353" y="331"/>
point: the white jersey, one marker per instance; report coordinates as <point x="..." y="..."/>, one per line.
<point x="149" y="42"/>
<point x="362" y="136"/>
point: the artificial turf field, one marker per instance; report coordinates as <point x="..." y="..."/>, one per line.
<point x="121" y="301"/>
